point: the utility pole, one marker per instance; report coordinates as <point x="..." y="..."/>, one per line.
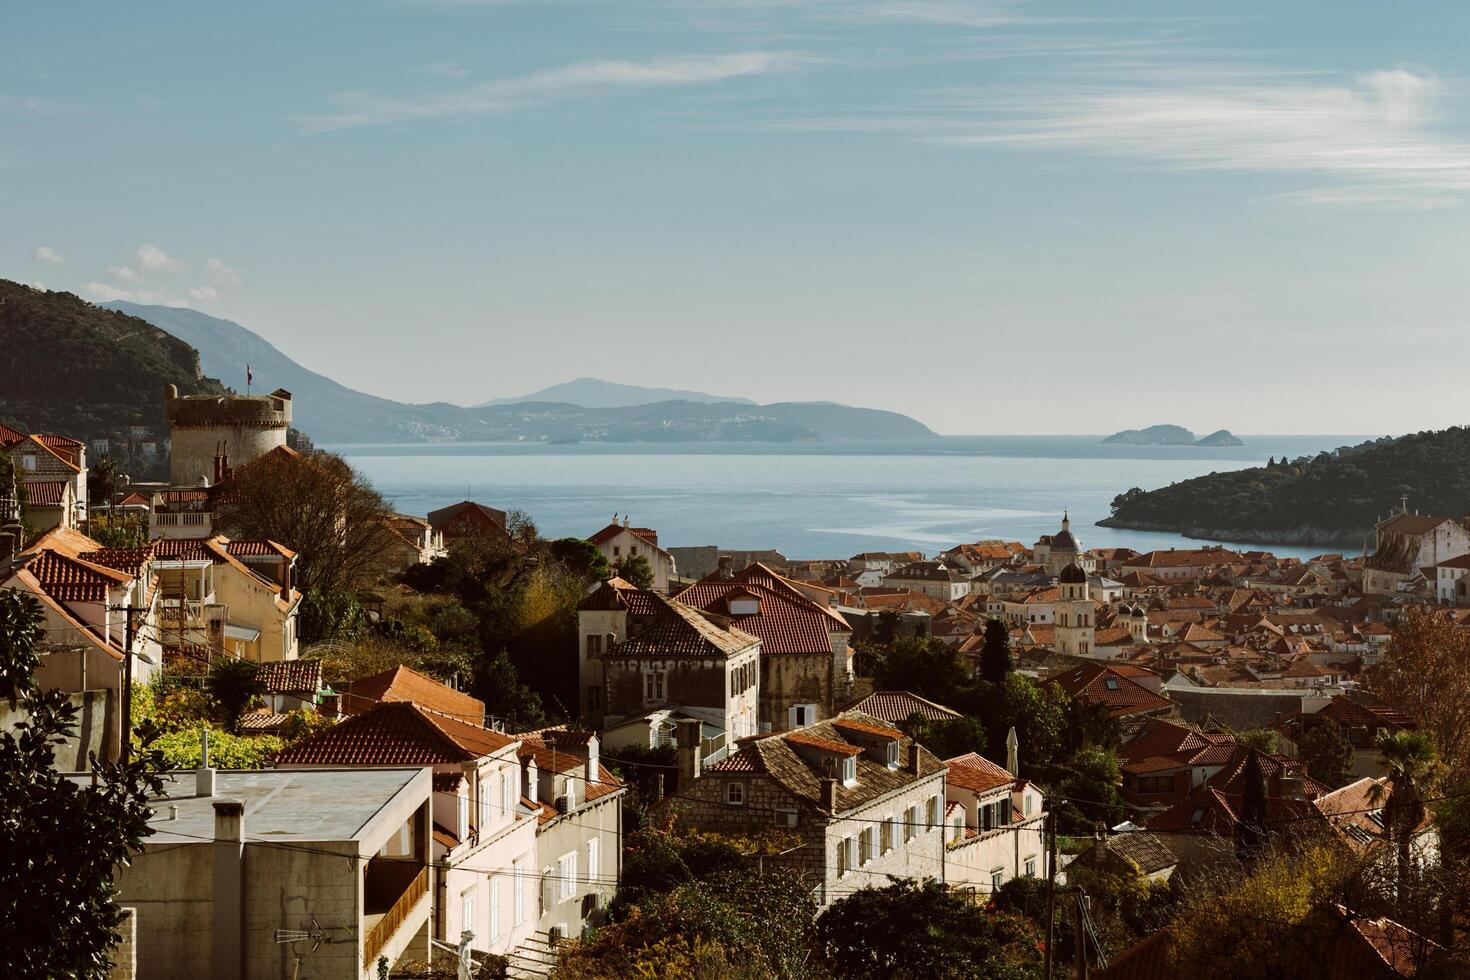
<point x="127" y="695"/>
<point x="1079" y="930"/>
<point x="1051" y="887"/>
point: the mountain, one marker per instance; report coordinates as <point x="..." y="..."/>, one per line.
<point x="1220" y="437"/>
<point x="595" y="393"/>
<point x="1154" y="435"/>
<point x="331" y="412"/>
<point x="83" y="371"/>
<point x="1332" y="498"/>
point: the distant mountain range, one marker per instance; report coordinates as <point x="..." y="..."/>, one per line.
<point x="1172" y="435"/>
<point x="331" y="412"/>
<point x="595" y="393"/>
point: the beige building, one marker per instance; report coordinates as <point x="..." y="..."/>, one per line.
<point x="995" y="824"/>
<point x="279" y="873"/>
<point x="204" y="429"/>
<point x="620" y="541"/>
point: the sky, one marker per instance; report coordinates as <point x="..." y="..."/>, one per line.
<point x="997" y="216"/>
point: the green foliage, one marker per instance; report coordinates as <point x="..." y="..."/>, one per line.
<point x="1327" y="754"/>
<point x="60" y="840"/>
<point x="1339" y="493"/>
<point x="1090" y="784"/>
<point x="923" y="665"/>
<point x="995" y="655"/>
<point x="234" y="684"/>
<point x="118" y="530"/>
<point x="634" y="569"/>
<point x="580" y="557"/>
<point x="1263" y="739"/>
<point x="950" y="737"/>
<point x="908" y="930"/>
<point x="184" y="750"/>
<point x="330" y="615"/>
<point x="1038" y="712"/>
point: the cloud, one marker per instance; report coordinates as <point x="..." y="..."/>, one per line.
<point x="155" y="259"/>
<point x="1370" y="137"/>
<point x="106" y="293"/>
<point x="442" y="69"/>
<point x="47" y="254"/>
<point x="221" y="274"/>
<point x="203" y="293"/>
<point x="122" y="273"/>
<point x="582" y="79"/>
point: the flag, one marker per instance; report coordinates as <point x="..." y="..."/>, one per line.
<point x="248" y="376"/>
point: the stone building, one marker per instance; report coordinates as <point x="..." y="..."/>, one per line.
<point x="239" y="428"/>
<point x="806" y="654"/>
<point x="612" y="613"/>
<point x="689" y="659"/>
<point x="1074" y="613"/>
<point x="1055" y="552"/>
<point x="1407" y="544"/>
<point x="863" y="801"/>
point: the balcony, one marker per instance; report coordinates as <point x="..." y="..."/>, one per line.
<point x="392" y="890"/>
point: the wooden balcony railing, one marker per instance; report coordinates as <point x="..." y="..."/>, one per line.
<point x="378" y="937"/>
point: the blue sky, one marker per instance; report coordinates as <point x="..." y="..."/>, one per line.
<point x="996" y="216"/>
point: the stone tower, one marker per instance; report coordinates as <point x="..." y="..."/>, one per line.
<point x="238" y="427"/>
<point x="1074" y="613"/>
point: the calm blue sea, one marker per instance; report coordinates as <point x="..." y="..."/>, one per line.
<point x="821" y="500"/>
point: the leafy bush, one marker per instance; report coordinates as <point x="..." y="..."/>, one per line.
<point x="182" y="748"/>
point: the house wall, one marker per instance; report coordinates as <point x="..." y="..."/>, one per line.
<point x="625" y="543"/>
<point x="591" y="697"/>
<point x="695" y="682"/>
<point x="253" y="603"/>
<point x="593" y="887"/>
<point x="794" y="678"/>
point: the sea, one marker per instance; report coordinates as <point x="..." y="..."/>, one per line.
<point x="819" y="500"/>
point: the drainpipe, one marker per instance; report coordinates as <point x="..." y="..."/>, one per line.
<point x="229" y="886"/>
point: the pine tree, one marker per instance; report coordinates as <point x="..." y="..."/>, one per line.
<point x="995" y="655"/>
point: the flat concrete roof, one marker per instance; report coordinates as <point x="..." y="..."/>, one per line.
<point x="280" y="804"/>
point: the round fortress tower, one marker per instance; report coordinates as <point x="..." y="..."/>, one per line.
<point x="240" y="427"/>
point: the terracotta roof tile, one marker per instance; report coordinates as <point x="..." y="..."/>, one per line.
<point x="395" y="734"/>
<point x="896" y="706"/>
<point x="403" y="683"/>
<point x="788" y="622"/>
<point x="46" y="493"/>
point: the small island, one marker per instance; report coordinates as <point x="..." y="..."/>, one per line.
<point x="1172" y="435"/>
<point x="1220" y="437"/>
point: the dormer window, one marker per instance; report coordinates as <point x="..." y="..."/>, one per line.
<point x="893" y="755"/>
<point x="849" y="770"/>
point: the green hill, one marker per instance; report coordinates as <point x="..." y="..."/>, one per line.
<point x="1332" y="498"/>
<point x="70" y="367"/>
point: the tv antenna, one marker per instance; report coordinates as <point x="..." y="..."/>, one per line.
<point x="316" y="934"/>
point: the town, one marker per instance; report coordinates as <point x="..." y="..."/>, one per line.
<point x="273" y="728"/>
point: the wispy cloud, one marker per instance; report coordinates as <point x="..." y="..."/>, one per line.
<point x="221" y="274"/>
<point x="47" y="254"/>
<point x="106" y="293"/>
<point x="1370" y="137"/>
<point x="122" y="273"/>
<point x="442" y="69"/>
<point x="583" y="79"/>
<point x="153" y="258"/>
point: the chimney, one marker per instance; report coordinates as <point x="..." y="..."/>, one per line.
<point x="229" y="882"/>
<point x="286" y="564"/>
<point x="204" y="775"/>
<point x="914" y="758"/>
<point x="687" y="732"/>
<point x="1013" y="752"/>
<point x="829" y="795"/>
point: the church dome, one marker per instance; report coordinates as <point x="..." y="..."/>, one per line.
<point x="1072" y="575"/>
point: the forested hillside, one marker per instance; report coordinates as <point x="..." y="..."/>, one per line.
<point x="1332" y="498"/>
<point x="70" y="367"/>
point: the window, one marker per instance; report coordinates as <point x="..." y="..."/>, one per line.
<point x="783" y="818"/>
<point x="28" y="462"/>
<point x="932" y="818"/>
<point x="594" y="865"/>
<point x="1111" y="683"/>
<point x="518" y="893"/>
<point x="484" y="801"/>
<point x="802" y="715"/>
<point x="911" y="817"/>
<point x="508" y="792"/>
<point x="865" y="846"/>
<point x="467" y="905"/>
<point x="997" y="878"/>
<point x="1026" y="804"/>
<point x="893" y="755"/>
<point x="849" y="770"/>
<point x="1031" y="867"/>
<point x="653" y="685"/>
<point x="566" y="876"/>
<point x="844" y="856"/>
<point x="617" y="551"/>
<point x="735" y="794"/>
<point x="594" y="697"/>
<point x="494" y="908"/>
<point x="885" y="836"/>
<point x="464" y="816"/>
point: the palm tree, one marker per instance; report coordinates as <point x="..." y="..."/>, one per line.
<point x="1411" y="760"/>
<point x="104" y="480"/>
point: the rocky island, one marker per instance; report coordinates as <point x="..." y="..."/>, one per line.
<point x="1172" y="435"/>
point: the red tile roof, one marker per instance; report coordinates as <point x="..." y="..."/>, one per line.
<point x="865" y="728"/>
<point x="1100" y="684"/>
<point x="976" y="773"/>
<point x="10" y="437"/>
<point x="395" y="734"/>
<point x="788" y="622"/>
<point x="896" y="706"/>
<point x="69" y="579"/>
<point x="291" y="676"/>
<point x="403" y="683"/>
<point x="825" y="744"/>
<point x="46" y="493"/>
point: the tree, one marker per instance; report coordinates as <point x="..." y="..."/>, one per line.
<point x="995" y="655"/>
<point x="102" y="482"/>
<point x="320" y="507"/>
<point x="949" y="737"/>
<point x="634" y="569"/>
<point x="60" y="840"/>
<point x="930" y="668"/>
<point x="1423" y="675"/>
<point x="330" y="615"/>
<point x="1091" y="785"/>
<point x="925" y="930"/>
<point x="234" y="684"/>
<point x="1327" y="754"/>
<point x="1251" y="830"/>
<point x="1410" y="760"/>
<point x="580" y="557"/>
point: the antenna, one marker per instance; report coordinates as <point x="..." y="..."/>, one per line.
<point x="316" y="934"/>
